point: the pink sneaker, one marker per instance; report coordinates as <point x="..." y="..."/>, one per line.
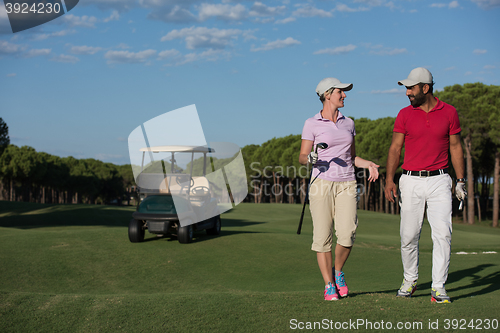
<point x="341" y="285"/>
<point x="331" y="293"/>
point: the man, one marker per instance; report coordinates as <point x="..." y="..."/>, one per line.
<point x="428" y="128"/>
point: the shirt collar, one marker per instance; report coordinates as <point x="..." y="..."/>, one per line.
<point x="318" y="116"/>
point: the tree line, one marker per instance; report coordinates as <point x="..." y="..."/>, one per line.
<point x="273" y="172"/>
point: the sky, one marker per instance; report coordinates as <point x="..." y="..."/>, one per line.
<point x="80" y="84"/>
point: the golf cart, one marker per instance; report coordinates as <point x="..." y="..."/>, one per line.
<point x="174" y="203"/>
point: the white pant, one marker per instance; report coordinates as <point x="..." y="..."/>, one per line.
<point x="415" y="193"/>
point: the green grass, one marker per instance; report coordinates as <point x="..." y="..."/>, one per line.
<point x="71" y="268"/>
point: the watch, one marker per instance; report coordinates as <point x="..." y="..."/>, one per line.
<point x="461" y="180"/>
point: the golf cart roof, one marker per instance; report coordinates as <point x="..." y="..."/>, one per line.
<point x="175" y="149"/>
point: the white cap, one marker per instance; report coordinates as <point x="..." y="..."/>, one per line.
<point x="331" y="82"/>
<point x="418" y="75"/>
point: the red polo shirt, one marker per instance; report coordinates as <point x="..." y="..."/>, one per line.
<point x="427" y="135"/>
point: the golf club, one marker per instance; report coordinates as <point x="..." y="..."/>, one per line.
<point x="321" y="145"/>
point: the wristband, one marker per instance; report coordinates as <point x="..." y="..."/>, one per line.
<point x="460" y="180"/>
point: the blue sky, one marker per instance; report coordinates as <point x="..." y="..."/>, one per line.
<point x="80" y="84"/>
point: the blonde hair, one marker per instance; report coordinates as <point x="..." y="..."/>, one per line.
<point x="325" y="94"/>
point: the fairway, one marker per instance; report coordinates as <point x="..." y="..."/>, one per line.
<point x="71" y="268"/>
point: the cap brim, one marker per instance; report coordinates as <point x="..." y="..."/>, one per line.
<point x="344" y="86"/>
<point x="407" y="83"/>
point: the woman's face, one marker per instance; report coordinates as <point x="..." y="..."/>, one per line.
<point x="337" y="98"/>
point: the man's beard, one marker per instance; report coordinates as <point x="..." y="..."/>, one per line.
<point x="418" y="99"/>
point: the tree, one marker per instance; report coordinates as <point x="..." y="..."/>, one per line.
<point x="289" y="163"/>
<point x="373" y="139"/>
<point x="494" y="135"/>
<point x="472" y="111"/>
<point x="4" y="136"/>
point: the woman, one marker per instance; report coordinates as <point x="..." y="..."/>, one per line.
<point x="333" y="192"/>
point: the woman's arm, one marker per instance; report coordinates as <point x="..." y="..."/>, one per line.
<point x="305" y="149"/>
<point x="365" y="164"/>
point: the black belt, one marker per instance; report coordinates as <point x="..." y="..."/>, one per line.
<point x="425" y="173"/>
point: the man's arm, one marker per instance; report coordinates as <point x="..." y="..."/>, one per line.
<point x="457" y="155"/>
<point x="392" y="164"/>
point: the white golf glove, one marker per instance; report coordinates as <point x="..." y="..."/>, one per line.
<point x="312" y="157"/>
<point x="460" y="191"/>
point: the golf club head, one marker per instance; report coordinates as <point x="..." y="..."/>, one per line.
<point x="321" y="145"/>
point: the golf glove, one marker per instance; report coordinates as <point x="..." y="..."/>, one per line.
<point x="312" y="157"/>
<point x="460" y="191"/>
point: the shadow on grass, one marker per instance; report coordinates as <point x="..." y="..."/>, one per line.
<point x="488" y="283"/>
<point x="199" y="236"/>
<point x="23" y="215"/>
<point x="202" y="235"/>
<point x="39" y="216"/>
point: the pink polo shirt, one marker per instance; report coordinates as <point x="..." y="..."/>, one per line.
<point x="335" y="162"/>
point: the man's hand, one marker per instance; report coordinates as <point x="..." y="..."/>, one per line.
<point x="312" y="157"/>
<point x="391" y="190"/>
<point x="460" y="191"/>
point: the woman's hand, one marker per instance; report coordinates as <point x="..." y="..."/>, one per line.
<point x="373" y="168"/>
<point x="365" y="164"/>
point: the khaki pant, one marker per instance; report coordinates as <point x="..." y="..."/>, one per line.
<point x="329" y="202"/>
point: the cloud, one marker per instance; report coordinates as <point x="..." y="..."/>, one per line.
<point x="201" y="37"/>
<point x="65" y="58"/>
<point x="122" y="46"/>
<point x="381" y="50"/>
<point x="373" y="3"/>
<point x="53" y="34"/>
<point x="223" y="12"/>
<point x="259" y="9"/>
<point x="453" y="4"/>
<point x="344" y="8"/>
<point x="167" y="3"/>
<point x="85" y="49"/>
<point x="177" y="14"/>
<point x="479" y="51"/>
<point x="177" y="11"/>
<point x="489" y="67"/>
<point x="309" y="11"/>
<point x="450" y="68"/>
<point x="487" y="4"/>
<point x="80" y="21"/>
<point x="287" y="20"/>
<point x="127" y="57"/>
<point x="10" y="48"/>
<point x="37" y="52"/>
<point x="337" y="50"/>
<point x="11" y="75"/>
<point x="390" y="91"/>
<point x="119" y="5"/>
<point x="169" y="54"/>
<point x="208" y="55"/>
<point x="115" y="16"/>
<point x="277" y="44"/>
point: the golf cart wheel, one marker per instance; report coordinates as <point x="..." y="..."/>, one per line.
<point x="185" y="234"/>
<point x="215" y="230"/>
<point x="135" y="231"/>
